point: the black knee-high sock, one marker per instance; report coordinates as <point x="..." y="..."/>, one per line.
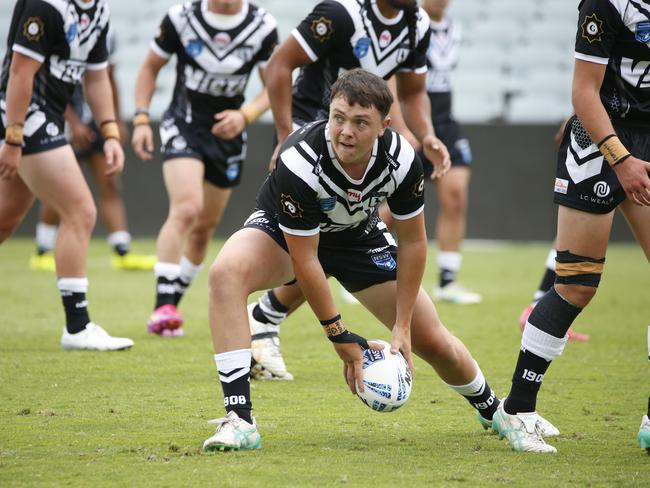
<point x="269" y="310"/>
<point x="543" y="340"/>
<point x="73" y="293"/>
<point x="234" y="373"/>
<point x="479" y="394"/>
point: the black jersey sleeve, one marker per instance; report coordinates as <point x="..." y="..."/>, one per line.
<point x="166" y="41"/>
<point x="268" y="45"/>
<point x="298" y="209"/>
<point x="408" y="199"/>
<point x="324" y="29"/>
<point x="599" y="24"/>
<point x="39" y="27"/>
<point x="98" y="56"/>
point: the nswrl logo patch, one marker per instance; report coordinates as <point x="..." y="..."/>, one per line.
<point x="384" y="260"/>
<point x="370" y="356"/>
<point x="642" y="32"/>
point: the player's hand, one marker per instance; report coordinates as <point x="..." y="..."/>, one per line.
<point x="633" y="176"/>
<point x="352" y="356"/>
<point x="114" y="156"/>
<point x="436" y="152"/>
<point x="401" y="342"/>
<point x="81" y="136"/>
<point x="9" y="160"/>
<point x="142" y="141"/>
<point x="229" y="124"/>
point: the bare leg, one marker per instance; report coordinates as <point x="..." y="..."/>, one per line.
<point x="15" y="200"/>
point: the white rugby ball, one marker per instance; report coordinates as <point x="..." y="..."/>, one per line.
<point x="387" y="379"/>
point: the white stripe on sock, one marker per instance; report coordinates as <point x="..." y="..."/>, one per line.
<point x="541" y="343"/>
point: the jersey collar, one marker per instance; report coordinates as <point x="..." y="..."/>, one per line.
<point x="223" y="22"/>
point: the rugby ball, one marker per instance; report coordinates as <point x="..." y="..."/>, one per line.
<point x="387" y="379"/>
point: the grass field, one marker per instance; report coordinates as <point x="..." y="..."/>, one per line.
<point x="138" y="418"/>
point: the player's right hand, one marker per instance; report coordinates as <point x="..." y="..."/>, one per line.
<point x="9" y="160"/>
<point x="142" y="141"/>
<point x="436" y="152"/>
<point x="633" y="176"/>
<point x="352" y="356"/>
<point x="114" y="157"/>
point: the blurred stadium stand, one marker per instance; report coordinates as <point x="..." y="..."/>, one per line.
<point x="516" y="59"/>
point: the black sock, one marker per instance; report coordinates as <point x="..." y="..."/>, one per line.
<point x="446" y="276"/>
<point x="121" y="249"/>
<point x="165" y="291"/>
<point x="42" y="250"/>
<point x="76" y="311"/>
<point x="549" y="321"/>
<point x="234" y="373"/>
<point x="648" y="407"/>
<point x="269" y="310"/>
<point x="180" y="286"/>
<point x="486" y="402"/>
<point x="547" y="280"/>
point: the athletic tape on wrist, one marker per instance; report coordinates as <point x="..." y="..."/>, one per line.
<point x="613" y="149"/>
<point x="14" y="134"/>
<point x="109" y="130"/>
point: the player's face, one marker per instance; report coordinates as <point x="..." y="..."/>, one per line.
<point x="354" y="129"/>
<point x="225" y="7"/>
<point x="435" y="8"/>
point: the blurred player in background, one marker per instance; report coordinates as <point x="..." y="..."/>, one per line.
<point x="52" y="46"/>
<point x="388" y="38"/>
<point x="452" y="188"/>
<point x="217" y="43"/>
<point x="305" y="225"/>
<point x="603" y="164"/>
<point x="88" y="144"/>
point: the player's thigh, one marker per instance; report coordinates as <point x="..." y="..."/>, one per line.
<point x="638" y="218"/>
<point x="215" y="200"/>
<point x="253" y="260"/>
<point x="183" y="179"/>
<point x="54" y="176"/>
<point x="15" y="200"/>
<point x="583" y="233"/>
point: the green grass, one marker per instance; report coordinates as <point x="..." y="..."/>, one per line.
<point x="139" y="418"/>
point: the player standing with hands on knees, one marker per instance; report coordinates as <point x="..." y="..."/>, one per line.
<point x="218" y="43"/>
<point x="53" y="46"/>
<point x="316" y="217"/>
<point x="603" y="163"/>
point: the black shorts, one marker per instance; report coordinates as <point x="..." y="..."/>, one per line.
<point x="357" y="265"/>
<point x="451" y="134"/>
<point x="95" y="147"/>
<point x="43" y="130"/>
<point x="223" y="160"/>
<point x="584" y="180"/>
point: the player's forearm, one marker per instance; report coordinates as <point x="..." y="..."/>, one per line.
<point x="19" y="95"/>
<point x="116" y="92"/>
<point x="99" y="95"/>
<point x="313" y="283"/>
<point x="416" y="109"/>
<point x="591" y="112"/>
<point x="278" y="85"/>
<point x="411" y="260"/>
<point x="145" y="86"/>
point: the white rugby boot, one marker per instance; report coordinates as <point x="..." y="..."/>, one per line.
<point x="523" y="431"/>
<point x="94" y="338"/>
<point x="268" y="363"/>
<point x="644" y="433"/>
<point x="233" y="434"/>
<point x="455" y="292"/>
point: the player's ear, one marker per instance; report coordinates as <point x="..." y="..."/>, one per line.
<point x="385" y="123"/>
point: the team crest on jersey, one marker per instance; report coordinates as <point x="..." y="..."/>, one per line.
<point x="354" y="195"/>
<point x="642" y="32"/>
<point x="84" y="21"/>
<point x="290" y="206"/>
<point x="327" y="204"/>
<point x="322" y="29"/>
<point x="33" y="28"/>
<point x="361" y="47"/>
<point x="384" y="261"/>
<point x="194" y="48"/>
<point x="222" y="39"/>
<point x="592" y="28"/>
<point x="71" y="33"/>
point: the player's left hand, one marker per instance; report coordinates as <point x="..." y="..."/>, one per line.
<point x="436" y="152"/>
<point x="229" y="124"/>
<point x="401" y="341"/>
<point x="10" y="157"/>
<point x="114" y="156"/>
<point x="633" y="176"/>
<point x="352" y="356"/>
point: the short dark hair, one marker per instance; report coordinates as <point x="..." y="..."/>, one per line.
<point x="360" y="87"/>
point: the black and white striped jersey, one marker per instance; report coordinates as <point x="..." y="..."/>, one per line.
<point x="310" y="192"/>
<point x="339" y="35"/>
<point x="442" y="59"/>
<point x="215" y="57"/>
<point x="66" y="36"/>
<point x="617" y="33"/>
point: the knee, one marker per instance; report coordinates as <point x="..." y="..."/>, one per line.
<point x="7" y="227"/>
<point x="454" y="202"/>
<point x="577" y="295"/>
<point x="82" y="216"/>
<point x="185" y="212"/>
<point x="225" y="277"/>
<point x="202" y="233"/>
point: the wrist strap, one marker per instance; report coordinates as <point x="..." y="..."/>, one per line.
<point x="613" y="150"/>
<point x="251" y="113"/>
<point x="336" y="318"/>
<point x="14" y="134"/>
<point x="348" y="337"/>
<point x="141" y="118"/>
<point x="109" y="130"/>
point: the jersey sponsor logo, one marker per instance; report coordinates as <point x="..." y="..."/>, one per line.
<point x="561" y="186"/>
<point x="321" y="29"/>
<point x="84" y="21"/>
<point x="290" y="206"/>
<point x="33" y="28"/>
<point x="354" y="195"/>
<point x="601" y="189"/>
<point x="218" y="85"/>
<point x="592" y="28"/>
<point x="384" y="39"/>
<point x="384" y="261"/>
<point x="327" y="204"/>
<point x="642" y="32"/>
<point x="194" y="47"/>
<point x="51" y="129"/>
<point x="361" y="47"/>
<point x="179" y="143"/>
